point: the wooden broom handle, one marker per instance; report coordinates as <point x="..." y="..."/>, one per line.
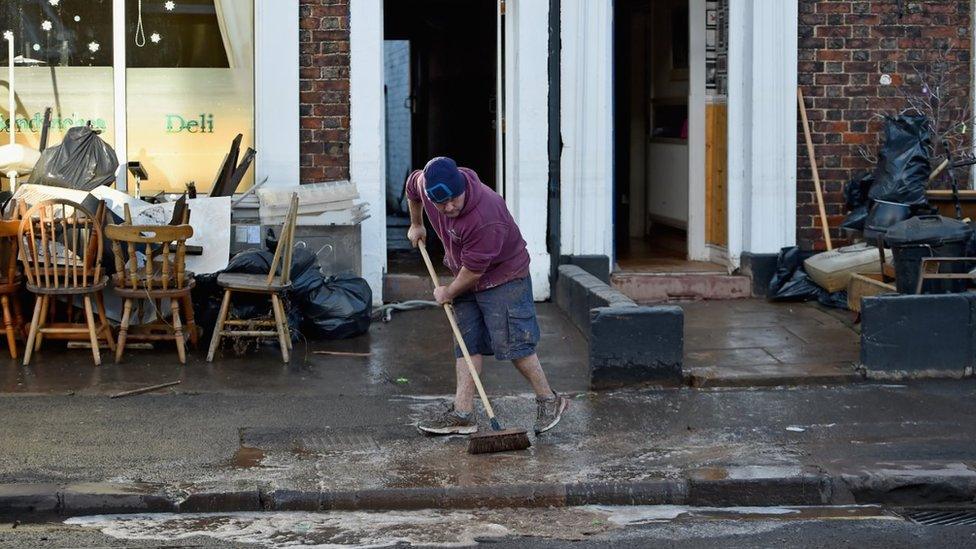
<point x="457" y="333"/>
<point x="813" y="168"/>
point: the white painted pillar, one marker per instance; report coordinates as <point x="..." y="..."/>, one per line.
<point x="119" y="46"/>
<point x="526" y="135"/>
<point x="697" y="250"/>
<point x="276" y="95"/>
<point x="586" y="119"/>
<point x="762" y="126"/>
<point x="366" y="133"/>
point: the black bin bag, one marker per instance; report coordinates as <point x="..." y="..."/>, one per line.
<point x="82" y="161"/>
<point x="338" y="309"/>
<point x="903" y="163"/>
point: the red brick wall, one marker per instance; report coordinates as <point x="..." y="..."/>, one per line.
<point x="324" y="89"/>
<point x="844" y="48"/>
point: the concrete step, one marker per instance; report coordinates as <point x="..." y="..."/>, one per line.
<point x="657" y="287"/>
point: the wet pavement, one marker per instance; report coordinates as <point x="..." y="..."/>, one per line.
<point x="411" y="355"/>
<point x="322" y="424"/>
<point x="193" y="443"/>
<point x="751" y="342"/>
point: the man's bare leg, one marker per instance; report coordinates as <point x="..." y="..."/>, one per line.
<point x="464" y="397"/>
<point x="531" y="369"/>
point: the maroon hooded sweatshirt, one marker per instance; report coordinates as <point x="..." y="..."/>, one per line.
<point x="483" y="238"/>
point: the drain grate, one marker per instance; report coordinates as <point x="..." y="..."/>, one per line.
<point x="942" y="517"/>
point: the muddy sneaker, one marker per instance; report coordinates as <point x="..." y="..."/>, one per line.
<point x="449" y="422"/>
<point x="550" y="411"/>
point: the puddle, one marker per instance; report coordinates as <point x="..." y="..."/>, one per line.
<point x="626" y="516"/>
<point x="246" y="457"/>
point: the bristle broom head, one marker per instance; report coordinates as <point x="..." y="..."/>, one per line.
<point x="509" y="440"/>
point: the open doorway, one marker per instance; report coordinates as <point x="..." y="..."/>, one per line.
<point x="440" y="81"/>
<point x="651" y="92"/>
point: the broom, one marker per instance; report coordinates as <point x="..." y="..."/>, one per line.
<point x="498" y="439"/>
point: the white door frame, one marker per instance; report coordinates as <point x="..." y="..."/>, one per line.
<point x="762" y="126"/>
<point x="367" y="124"/>
<point x="697" y="250"/>
<point x="586" y="128"/>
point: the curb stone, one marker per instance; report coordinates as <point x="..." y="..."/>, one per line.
<point x="717" y="487"/>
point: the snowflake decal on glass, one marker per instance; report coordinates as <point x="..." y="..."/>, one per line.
<point x="155" y="37"/>
<point x="93" y="47"/>
<point x="170" y="5"/>
<point x="46" y="25"/>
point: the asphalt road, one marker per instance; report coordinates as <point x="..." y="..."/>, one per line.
<point x="622" y="527"/>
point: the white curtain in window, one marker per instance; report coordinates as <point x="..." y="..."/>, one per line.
<point x="236" y="30"/>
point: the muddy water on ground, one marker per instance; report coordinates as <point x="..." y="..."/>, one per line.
<point x="442" y="528"/>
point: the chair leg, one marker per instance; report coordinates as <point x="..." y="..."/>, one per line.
<point x="174" y="305"/>
<point x="215" y="340"/>
<point x="8" y="323"/>
<point x="34" y="326"/>
<point x="123" y="329"/>
<point x="284" y="314"/>
<point x="191" y="324"/>
<point x="281" y="324"/>
<point x="45" y="311"/>
<point x="92" y="330"/>
<point x="105" y="328"/>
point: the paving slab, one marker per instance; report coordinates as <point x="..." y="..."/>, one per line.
<point x="753" y="342"/>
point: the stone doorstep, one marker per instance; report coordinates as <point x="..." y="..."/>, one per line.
<point x="656" y="287"/>
<point x="906" y="483"/>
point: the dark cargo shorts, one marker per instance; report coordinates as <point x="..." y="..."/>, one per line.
<point x="499" y="321"/>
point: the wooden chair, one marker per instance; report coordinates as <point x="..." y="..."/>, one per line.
<point x="61" y="250"/>
<point x="930" y="269"/>
<point x="272" y="284"/>
<point x="163" y="276"/>
<point x="10" y="281"/>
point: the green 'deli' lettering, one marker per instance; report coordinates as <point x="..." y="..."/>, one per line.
<point x="178" y="124"/>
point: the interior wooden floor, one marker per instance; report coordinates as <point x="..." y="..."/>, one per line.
<point x="664" y="250"/>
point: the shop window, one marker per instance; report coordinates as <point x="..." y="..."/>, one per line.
<point x="62" y="60"/>
<point x="189" y="88"/>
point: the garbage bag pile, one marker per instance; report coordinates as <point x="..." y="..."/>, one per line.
<point x="319" y="306"/>
<point x="791" y="283"/>
<point x="901" y="174"/>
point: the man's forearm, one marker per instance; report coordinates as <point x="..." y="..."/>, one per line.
<point x="462" y="283"/>
<point x="416" y="213"/>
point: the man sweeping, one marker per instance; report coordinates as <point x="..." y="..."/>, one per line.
<point x="491" y="291"/>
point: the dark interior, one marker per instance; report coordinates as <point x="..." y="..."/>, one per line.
<point x="452" y="76"/>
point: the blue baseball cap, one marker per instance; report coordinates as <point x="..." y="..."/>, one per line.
<point x="443" y="181"/>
